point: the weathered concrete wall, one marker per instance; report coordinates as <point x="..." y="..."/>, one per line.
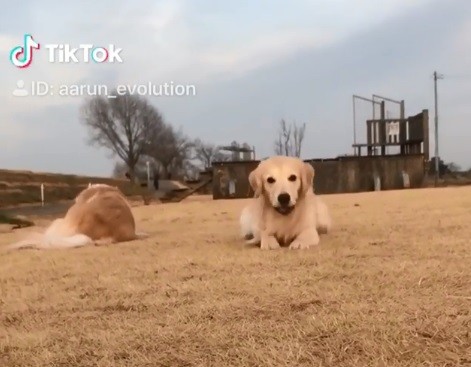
<point x="206" y="189"/>
<point x="356" y="174"/>
<point x="338" y="175"/>
<point x="230" y="179"/>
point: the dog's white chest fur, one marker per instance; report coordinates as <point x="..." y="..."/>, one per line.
<point x="286" y="228"/>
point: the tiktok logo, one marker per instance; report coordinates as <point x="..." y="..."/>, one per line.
<point x="22" y="56"/>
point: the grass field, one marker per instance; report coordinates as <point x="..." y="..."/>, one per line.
<point x="390" y="286"/>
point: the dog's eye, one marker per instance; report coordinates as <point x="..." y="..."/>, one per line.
<point x="292" y="178"/>
<point x="271" y="180"/>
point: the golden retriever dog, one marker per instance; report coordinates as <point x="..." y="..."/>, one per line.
<point x="100" y="215"/>
<point x="284" y="211"/>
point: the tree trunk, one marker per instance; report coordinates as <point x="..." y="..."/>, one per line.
<point x="132" y="173"/>
<point x="164" y="171"/>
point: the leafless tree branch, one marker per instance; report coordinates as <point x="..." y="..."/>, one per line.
<point x="206" y="153"/>
<point x="290" y="139"/>
<point x="124" y="125"/>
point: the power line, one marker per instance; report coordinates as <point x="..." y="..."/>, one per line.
<point x="458" y="76"/>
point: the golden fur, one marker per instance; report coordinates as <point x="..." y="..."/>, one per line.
<point x="100" y="215"/>
<point x="295" y="221"/>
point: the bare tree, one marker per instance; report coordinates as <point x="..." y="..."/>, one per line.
<point x="298" y="137"/>
<point x="123" y="125"/>
<point x="183" y="154"/>
<point x="453" y="167"/>
<point x="171" y="149"/>
<point x="206" y="153"/>
<point x="290" y="139"/>
<point x="283" y="142"/>
<point x="119" y="170"/>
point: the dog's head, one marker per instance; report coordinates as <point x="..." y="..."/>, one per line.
<point x="282" y="181"/>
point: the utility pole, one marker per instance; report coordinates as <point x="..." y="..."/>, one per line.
<point x="436" y="76"/>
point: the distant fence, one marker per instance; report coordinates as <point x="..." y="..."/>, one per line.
<point x="26" y="187"/>
<point x="336" y="175"/>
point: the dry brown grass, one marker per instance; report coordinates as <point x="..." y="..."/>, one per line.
<point x="391" y="286"/>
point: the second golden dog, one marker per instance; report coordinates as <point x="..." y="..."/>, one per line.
<point x="285" y="210"/>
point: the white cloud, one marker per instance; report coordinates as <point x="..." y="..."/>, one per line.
<point x="193" y="42"/>
<point x="460" y="57"/>
<point x="163" y="43"/>
<point x="261" y="51"/>
<point x="14" y="135"/>
<point x="164" y="15"/>
<point x="360" y="14"/>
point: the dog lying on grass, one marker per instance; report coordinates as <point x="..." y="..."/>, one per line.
<point x="285" y="210"/>
<point x="100" y="215"/>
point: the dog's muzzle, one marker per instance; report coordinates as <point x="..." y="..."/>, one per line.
<point x="284" y="210"/>
<point x="284" y="206"/>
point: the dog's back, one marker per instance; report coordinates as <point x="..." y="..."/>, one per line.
<point x="103" y="215"/>
<point x="100" y="214"/>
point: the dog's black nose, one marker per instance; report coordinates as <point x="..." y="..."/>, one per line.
<point x="284" y="199"/>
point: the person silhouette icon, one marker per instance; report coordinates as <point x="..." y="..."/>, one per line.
<point x="20" y="90"/>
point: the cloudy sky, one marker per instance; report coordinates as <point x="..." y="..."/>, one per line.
<point x="252" y="62"/>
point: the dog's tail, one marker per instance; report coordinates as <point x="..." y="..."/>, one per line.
<point x="248" y="226"/>
<point x="245" y="221"/>
<point x="48" y="241"/>
<point x="324" y="220"/>
<point x="141" y="235"/>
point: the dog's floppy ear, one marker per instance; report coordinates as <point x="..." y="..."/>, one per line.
<point x="255" y="180"/>
<point x="307" y="177"/>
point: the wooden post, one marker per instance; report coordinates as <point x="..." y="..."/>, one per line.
<point x="369" y="147"/>
<point x="405" y="180"/>
<point x="403" y="128"/>
<point x="402" y="135"/>
<point x="377" y="182"/>
<point x="42" y="194"/>
<point x="382" y="129"/>
<point x="425" y="135"/>
<point x="403" y="110"/>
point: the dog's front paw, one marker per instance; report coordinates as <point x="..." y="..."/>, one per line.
<point x="305" y="240"/>
<point x="269" y="243"/>
<point x="253" y="241"/>
<point x="299" y="245"/>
